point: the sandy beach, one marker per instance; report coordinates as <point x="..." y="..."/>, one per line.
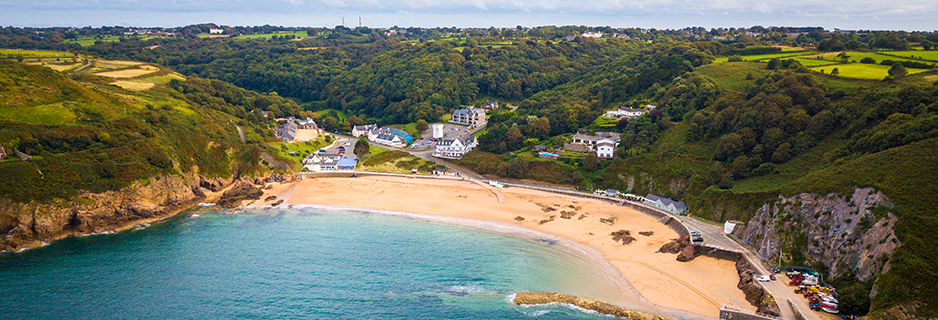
<point x="700" y="286"/>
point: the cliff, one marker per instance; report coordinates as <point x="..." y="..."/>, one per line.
<point x="848" y="234"/>
<point x="26" y="225"/>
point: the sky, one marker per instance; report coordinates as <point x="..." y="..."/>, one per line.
<point x="908" y="15"/>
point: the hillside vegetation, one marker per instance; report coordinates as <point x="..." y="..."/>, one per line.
<point x="85" y="132"/>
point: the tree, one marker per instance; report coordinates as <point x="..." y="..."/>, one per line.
<point x="361" y="148"/>
<point x="843" y="57"/>
<point x="835" y="72"/>
<point x="773" y="64"/>
<point x="422" y="125"/>
<point x="782" y="153"/>
<point x="897" y="71"/>
<point x="591" y="161"/>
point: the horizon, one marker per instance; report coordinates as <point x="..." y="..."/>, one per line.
<point x="914" y="15"/>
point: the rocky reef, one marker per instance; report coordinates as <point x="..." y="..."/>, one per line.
<point x="537" y="298"/>
<point x="848" y="234"/>
<point x="683" y="247"/>
<point x="26" y="225"/>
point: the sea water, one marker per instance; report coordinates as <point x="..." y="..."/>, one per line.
<point x="292" y="264"/>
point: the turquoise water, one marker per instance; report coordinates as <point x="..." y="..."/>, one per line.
<point x="304" y="263"/>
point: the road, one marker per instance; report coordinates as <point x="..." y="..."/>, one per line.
<point x="241" y="133"/>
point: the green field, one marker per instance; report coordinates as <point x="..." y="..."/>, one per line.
<point x="298" y="34"/>
<point x="927" y="55"/>
<point x="90" y="41"/>
<point x="815" y="62"/>
<point x="857" y="56"/>
<point x="864" y="71"/>
<point x="325" y="112"/>
<point x="34" y="53"/>
<point x="768" y="56"/>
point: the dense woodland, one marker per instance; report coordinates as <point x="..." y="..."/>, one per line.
<point x="724" y="138"/>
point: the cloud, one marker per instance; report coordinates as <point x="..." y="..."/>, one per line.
<point x="877" y="14"/>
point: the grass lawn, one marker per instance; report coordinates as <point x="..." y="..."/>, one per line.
<point x="298" y="34"/>
<point x="731" y="76"/>
<point x="302" y="149"/>
<point x="89" y="41"/>
<point x="865" y="71"/>
<point x="604" y="122"/>
<point x="34" y="53"/>
<point x="48" y="114"/>
<point x="386" y="160"/>
<point x="339" y="113"/>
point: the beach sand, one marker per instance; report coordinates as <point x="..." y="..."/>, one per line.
<point x="700" y="286"/>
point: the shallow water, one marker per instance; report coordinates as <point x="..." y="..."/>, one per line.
<point x="298" y="263"/>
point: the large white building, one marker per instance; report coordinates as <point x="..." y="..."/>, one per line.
<point x="455" y="148"/>
<point x="437" y="130"/>
<point x="471" y="117"/>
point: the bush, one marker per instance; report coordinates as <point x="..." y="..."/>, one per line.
<point x="868" y="60"/>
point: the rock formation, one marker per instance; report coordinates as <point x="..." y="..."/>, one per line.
<point x="242" y="190"/>
<point x="683" y="247"/>
<point x="537" y="298"/>
<point x="754" y="292"/>
<point x="840" y="232"/>
<point x="622" y="235"/>
<point x="25" y="225"/>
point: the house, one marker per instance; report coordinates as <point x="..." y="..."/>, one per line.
<point x="455" y="148"/>
<point x="216" y="31"/>
<point x="389" y="139"/>
<point x="666" y="204"/>
<point x="592" y="35"/>
<point x="489" y="105"/>
<point x="592" y="139"/>
<point x="358" y="131"/>
<point x="286" y="132"/>
<point x="307" y="130"/>
<point x="445" y="172"/>
<point x="625" y="112"/>
<point x="605" y="148"/>
<point x="320" y="162"/>
<point x="471" y="117"/>
<point x="307" y="124"/>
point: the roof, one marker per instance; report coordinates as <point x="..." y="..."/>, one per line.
<point x="365" y="127"/>
<point x="606" y="142"/>
<point x="627" y="109"/>
<point x="346" y="162"/>
<point x="680" y="205"/>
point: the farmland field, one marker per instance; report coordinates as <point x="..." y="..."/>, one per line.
<point x="298" y="34"/>
<point x="864" y="71"/>
<point x="34" y="53"/>
<point x="815" y="62"/>
<point x="927" y="55"/>
<point x="769" y="56"/>
<point x="857" y="56"/>
<point x="89" y="41"/>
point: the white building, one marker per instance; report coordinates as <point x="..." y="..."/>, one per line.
<point x="389" y="139"/>
<point x="592" y="35"/>
<point x="455" y="148"/>
<point x="666" y="204"/>
<point x="216" y="31"/>
<point x="625" y="112"/>
<point x="437" y="130"/>
<point x="605" y="148"/>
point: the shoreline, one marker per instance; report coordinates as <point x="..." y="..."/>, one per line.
<point x="645" y="280"/>
<point x="588" y="255"/>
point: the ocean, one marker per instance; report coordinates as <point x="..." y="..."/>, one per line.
<point x="298" y="263"/>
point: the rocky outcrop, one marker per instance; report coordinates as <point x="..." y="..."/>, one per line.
<point x="683" y="247"/>
<point x="25" y="225"/>
<point x="839" y="232"/>
<point x="622" y="235"/>
<point x="215" y="184"/>
<point x="538" y="298"/>
<point x="755" y="294"/>
<point x="240" y="191"/>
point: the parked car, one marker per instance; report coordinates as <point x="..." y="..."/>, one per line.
<point x="695" y="233"/>
<point x="697" y="239"/>
<point x="764" y="278"/>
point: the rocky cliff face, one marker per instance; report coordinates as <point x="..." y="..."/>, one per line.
<point x="24" y="225"/>
<point x="840" y="232"/>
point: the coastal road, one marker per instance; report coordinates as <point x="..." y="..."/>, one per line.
<point x="713" y="235"/>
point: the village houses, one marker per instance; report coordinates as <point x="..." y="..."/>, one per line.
<point x="666" y="204"/>
<point x="294" y="130"/>
<point x="601" y="143"/>
<point x="383" y="135"/>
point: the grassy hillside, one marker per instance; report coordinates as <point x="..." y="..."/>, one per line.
<point x="116" y="122"/>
